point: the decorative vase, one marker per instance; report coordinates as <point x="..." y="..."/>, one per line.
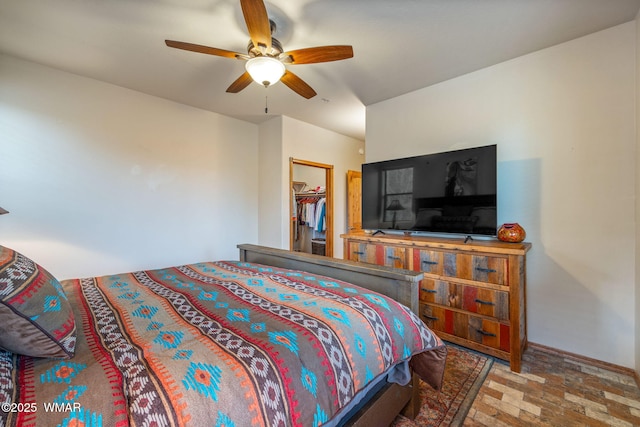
<point x="511" y="232"/>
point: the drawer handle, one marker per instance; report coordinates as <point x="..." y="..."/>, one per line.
<point x="430" y="317"/>
<point x="395" y="258"/>
<point x="486" y="270"/>
<point x="486" y="334"/>
<point x="479" y="301"/>
<point x="358" y="252"/>
<point x="429" y="262"/>
<point x="429" y="291"/>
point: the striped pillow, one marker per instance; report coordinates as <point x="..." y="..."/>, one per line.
<point x="35" y="317"/>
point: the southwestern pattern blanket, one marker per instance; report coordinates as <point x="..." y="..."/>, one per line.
<point x="221" y="343"/>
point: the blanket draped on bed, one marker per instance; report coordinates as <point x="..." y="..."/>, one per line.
<point x="215" y="344"/>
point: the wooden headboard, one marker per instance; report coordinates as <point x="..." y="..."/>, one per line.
<point x="401" y="285"/>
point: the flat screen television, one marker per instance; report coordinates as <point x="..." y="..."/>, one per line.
<point x="448" y="192"/>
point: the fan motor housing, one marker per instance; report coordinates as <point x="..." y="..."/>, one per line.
<point x="276" y="49"/>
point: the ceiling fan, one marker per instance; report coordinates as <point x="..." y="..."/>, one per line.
<point x="265" y="56"/>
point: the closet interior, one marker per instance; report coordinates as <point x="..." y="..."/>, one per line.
<point x="311" y="219"/>
<point x="311" y="205"/>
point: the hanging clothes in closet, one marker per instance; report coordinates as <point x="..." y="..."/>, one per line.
<point x="310" y="220"/>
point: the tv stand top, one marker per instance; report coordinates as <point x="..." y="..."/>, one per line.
<point x="451" y="243"/>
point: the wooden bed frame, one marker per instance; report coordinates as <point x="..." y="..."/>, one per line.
<point x="401" y="285"/>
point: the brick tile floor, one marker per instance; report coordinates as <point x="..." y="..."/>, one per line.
<point x="555" y="390"/>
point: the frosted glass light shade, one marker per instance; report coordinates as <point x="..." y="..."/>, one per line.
<point x="265" y="70"/>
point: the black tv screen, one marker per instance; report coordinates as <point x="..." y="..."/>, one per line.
<point x="448" y="192"/>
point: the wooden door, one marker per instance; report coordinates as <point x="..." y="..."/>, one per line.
<point x="354" y="201"/>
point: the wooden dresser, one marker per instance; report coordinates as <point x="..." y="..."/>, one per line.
<point x="472" y="294"/>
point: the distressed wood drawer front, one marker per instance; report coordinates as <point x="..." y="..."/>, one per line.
<point x="433" y="316"/>
<point x="474" y="299"/>
<point x="428" y="261"/>
<point x="464" y="325"/>
<point x="480" y="268"/>
<point x="391" y="256"/>
<point x="483" y="301"/>
<point x="362" y="252"/>
<point x="434" y="291"/>
<point x="489" y="333"/>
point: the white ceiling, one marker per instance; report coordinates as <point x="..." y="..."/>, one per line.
<point x="399" y="46"/>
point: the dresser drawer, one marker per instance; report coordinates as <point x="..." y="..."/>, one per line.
<point x="388" y="255"/>
<point x="474" y="299"/>
<point x="428" y="261"/>
<point x="487" y="332"/>
<point x="392" y="256"/>
<point x="362" y="252"/>
<point x="481" y="268"/>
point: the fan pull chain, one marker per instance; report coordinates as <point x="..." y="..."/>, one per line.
<point x="266" y="104"/>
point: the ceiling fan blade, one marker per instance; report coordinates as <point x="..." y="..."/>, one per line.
<point x="298" y="85"/>
<point x="205" y="49"/>
<point x="313" y="55"/>
<point x="255" y="15"/>
<point x="241" y="82"/>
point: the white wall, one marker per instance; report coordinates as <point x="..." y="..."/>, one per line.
<point x="270" y="186"/>
<point x="99" y="179"/>
<point x="287" y="137"/>
<point x="308" y="142"/>
<point x="312" y="176"/>
<point x="564" y="121"/>
<point x="637" y="217"/>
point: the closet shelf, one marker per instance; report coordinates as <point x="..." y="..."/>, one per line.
<point x="311" y="194"/>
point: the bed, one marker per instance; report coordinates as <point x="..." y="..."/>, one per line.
<point x="277" y="338"/>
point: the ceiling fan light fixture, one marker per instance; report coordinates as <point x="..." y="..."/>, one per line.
<point x="265" y="70"/>
<point x="265" y="56"/>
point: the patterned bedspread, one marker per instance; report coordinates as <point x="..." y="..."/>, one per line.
<point x="212" y="344"/>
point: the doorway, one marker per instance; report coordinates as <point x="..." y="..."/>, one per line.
<point x="305" y="188"/>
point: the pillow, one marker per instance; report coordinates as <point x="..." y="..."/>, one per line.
<point x="35" y="316"/>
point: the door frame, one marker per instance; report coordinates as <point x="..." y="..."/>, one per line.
<point x="328" y="205"/>
<point x="354" y="201"/>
